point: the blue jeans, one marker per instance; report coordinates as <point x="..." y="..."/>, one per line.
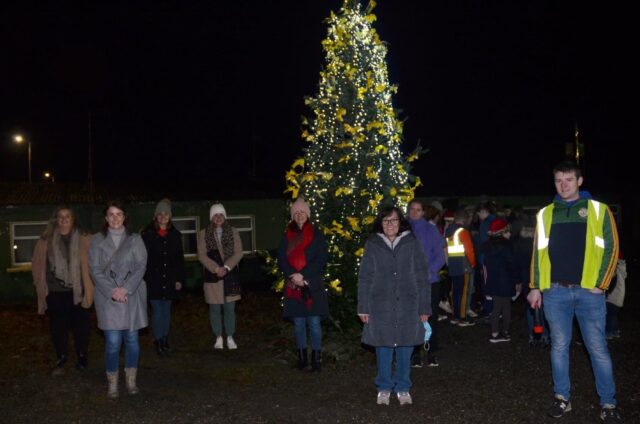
<point x="113" y="342"/>
<point x="160" y="318"/>
<point x="561" y="304"/>
<point x="229" y="318"/>
<point x="300" y="330"/>
<point x="401" y="380"/>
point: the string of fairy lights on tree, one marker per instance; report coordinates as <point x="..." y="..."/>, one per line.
<point x="352" y="160"/>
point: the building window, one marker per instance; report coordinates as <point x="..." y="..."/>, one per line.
<point x="245" y="224"/>
<point x="24" y="236"/>
<point x="188" y="226"/>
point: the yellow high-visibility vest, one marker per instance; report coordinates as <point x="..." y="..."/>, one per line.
<point x="594" y="248"/>
<point x="454" y="246"/>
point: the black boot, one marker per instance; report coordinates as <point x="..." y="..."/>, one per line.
<point x="82" y="362"/>
<point x="302" y="359"/>
<point x="159" y="347"/>
<point x="165" y="344"/>
<point x="316" y="360"/>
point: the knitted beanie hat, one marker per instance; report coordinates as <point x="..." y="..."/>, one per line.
<point x="498" y="226"/>
<point x="163" y="205"/>
<point x="217" y="209"/>
<point x="300" y="206"/>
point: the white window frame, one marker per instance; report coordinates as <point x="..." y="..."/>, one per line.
<point x="194" y="232"/>
<point x="251" y="229"/>
<point x="13" y="238"/>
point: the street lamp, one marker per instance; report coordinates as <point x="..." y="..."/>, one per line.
<point x="18" y="138"/>
<point x="49" y="176"/>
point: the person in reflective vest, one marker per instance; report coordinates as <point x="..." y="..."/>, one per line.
<point x="461" y="262"/>
<point x="574" y="258"/>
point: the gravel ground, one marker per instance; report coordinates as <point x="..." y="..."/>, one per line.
<point x="476" y="382"/>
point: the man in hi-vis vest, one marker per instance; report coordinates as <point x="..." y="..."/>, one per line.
<point x="574" y="257"/>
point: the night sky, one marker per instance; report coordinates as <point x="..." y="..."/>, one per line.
<point x="210" y="94"/>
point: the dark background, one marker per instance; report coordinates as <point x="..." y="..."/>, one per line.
<point x="200" y="94"/>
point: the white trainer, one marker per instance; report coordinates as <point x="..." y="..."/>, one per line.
<point x="444" y="305"/>
<point x="218" y="344"/>
<point x="231" y="344"/>
<point x="383" y="397"/>
<point x="404" y="398"/>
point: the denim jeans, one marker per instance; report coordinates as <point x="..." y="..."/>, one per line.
<point x="160" y="318"/>
<point x="300" y="330"/>
<point x="113" y="342"/>
<point x="400" y="381"/>
<point x="229" y="318"/>
<point x="561" y="304"/>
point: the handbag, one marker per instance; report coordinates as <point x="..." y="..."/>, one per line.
<point x="231" y="281"/>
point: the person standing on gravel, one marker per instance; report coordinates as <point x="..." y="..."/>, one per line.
<point x="118" y="260"/>
<point x="219" y="252"/>
<point x="394" y="300"/>
<point x="302" y="257"/>
<point x="574" y="258"/>
<point x="64" y="289"/>
<point x="435" y="247"/>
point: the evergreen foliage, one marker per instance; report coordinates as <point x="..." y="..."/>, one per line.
<point x="352" y="161"/>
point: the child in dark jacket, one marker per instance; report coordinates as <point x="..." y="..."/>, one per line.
<point x="500" y="277"/>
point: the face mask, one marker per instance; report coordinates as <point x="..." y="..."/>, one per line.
<point x="427" y="331"/>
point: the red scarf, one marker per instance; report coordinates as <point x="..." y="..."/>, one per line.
<point x="297" y="242"/>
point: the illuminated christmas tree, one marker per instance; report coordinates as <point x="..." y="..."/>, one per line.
<point x="353" y="161"/>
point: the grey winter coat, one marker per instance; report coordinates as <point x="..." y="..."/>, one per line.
<point x="127" y="268"/>
<point x="394" y="290"/>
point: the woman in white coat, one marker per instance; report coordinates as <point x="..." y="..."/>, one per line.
<point x="117" y="261"/>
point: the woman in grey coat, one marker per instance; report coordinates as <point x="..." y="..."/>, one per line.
<point x="117" y="261"/>
<point x="393" y="300"/>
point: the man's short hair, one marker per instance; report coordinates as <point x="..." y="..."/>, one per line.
<point x="568" y="166"/>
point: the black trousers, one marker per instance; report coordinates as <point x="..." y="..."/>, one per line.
<point x="433" y="322"/>
<point x="433" y="318"/>
<point x="65" y="316"/>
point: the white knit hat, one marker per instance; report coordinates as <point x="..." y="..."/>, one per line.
<point x="217" y="209"/>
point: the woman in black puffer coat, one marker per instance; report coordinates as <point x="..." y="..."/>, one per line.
<point x="165" y="273"/>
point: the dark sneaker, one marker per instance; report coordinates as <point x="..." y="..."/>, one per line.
<point x="59" y="368"/>
<point x="496" y="339"/>
<point x="506" y="337"/>
<point x="432" y="361"/>
<point x="465" y="323"/>
<point x="559" y="407"/>
<point x="82" y="363"/>
<point x="416" y="361"/>
<point x="609" y="414"/>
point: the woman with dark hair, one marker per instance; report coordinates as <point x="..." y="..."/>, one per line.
<point x="118" y="261"/>
<point x="64" y="288"/>
<point x="393" y="300"/>
<point x="302" y="256"/>
<point x="165" y="271"/>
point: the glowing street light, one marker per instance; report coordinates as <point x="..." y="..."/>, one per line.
<point x="49" y="176"/>
<point x="19" y="139"/>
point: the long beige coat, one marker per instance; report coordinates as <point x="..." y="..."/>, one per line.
<point x="39" y="272"/>
<point x="214" y="290"/>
